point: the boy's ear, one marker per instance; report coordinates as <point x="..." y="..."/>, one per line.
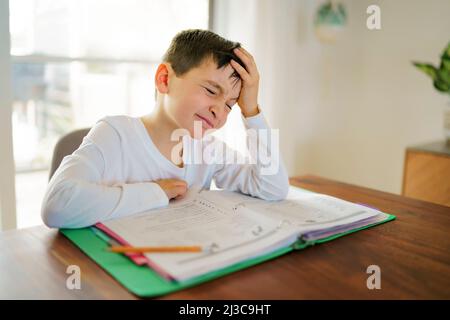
<point x="162" y="78"/>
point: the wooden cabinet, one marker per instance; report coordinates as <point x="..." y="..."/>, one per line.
<point x="426" y="173"/>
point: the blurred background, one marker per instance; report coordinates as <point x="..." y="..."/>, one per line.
<point x="337" y="79"/>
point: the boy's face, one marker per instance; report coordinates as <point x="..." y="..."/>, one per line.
<point x="204" y="95"/>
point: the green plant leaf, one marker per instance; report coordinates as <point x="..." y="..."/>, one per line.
<point x="428" y="69"/>
<point x="445" y="59"/>
<point x="445" y="65"/>
<point x="443" y="75"/>
<point x="442" y="86"/>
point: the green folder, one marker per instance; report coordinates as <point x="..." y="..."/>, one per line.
<point x="144" y="282"/>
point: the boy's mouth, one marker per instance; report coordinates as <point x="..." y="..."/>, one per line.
<point x="205" y="121"/>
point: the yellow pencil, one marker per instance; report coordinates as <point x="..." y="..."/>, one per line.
<point x="128" y="249"/>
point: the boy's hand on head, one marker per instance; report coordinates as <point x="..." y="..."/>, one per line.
<point x="174" y="188"/>
<point x="248" y="98"/>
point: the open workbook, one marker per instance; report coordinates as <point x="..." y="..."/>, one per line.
<point x="233" y="228"/>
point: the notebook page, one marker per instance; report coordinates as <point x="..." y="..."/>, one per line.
<point x="232" y="235"/>
<point x="305" y="210"/>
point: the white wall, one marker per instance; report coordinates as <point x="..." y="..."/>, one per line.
<point x="346" y="111"/>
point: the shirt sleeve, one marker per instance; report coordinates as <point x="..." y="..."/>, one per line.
<point x="76" y="196"/>
<point x="262" y="172"/>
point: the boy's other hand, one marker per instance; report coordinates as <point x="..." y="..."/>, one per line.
<point x="174" y="188"/>
<point x="248" y="98"/>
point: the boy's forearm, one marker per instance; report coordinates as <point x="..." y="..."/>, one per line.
<point x="76" y="204"/>
<point x="266" y="182"/>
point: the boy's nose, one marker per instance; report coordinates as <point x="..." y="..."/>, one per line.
<point x="217" y="112"/>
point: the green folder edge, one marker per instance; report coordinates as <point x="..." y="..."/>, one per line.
<point x="144" y="282"/>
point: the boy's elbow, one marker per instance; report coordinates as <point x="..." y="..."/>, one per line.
<point x="277" y="192"/>
<point x="51" y="218"/>
<point x="284" y="191"/>
<point x="279" y="185"/>
<point x="55" y="212"/>
<point x="281" y="192"/>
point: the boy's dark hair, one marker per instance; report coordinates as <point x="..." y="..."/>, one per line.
<point x="189" y="48"/>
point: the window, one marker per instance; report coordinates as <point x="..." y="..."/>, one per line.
<point x="76" y="61"/>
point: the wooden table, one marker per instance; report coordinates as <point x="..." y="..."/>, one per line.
<point x="413" y="253"/>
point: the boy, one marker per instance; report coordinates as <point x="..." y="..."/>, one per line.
<point x="127" y="165"/>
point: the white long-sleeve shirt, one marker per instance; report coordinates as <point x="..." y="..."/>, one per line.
<point x="110" y="175"/>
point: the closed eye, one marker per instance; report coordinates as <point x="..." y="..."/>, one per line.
<point x="232" y="104"/>
<point x="210" y="91"/>
<point x="213" y="93"/>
